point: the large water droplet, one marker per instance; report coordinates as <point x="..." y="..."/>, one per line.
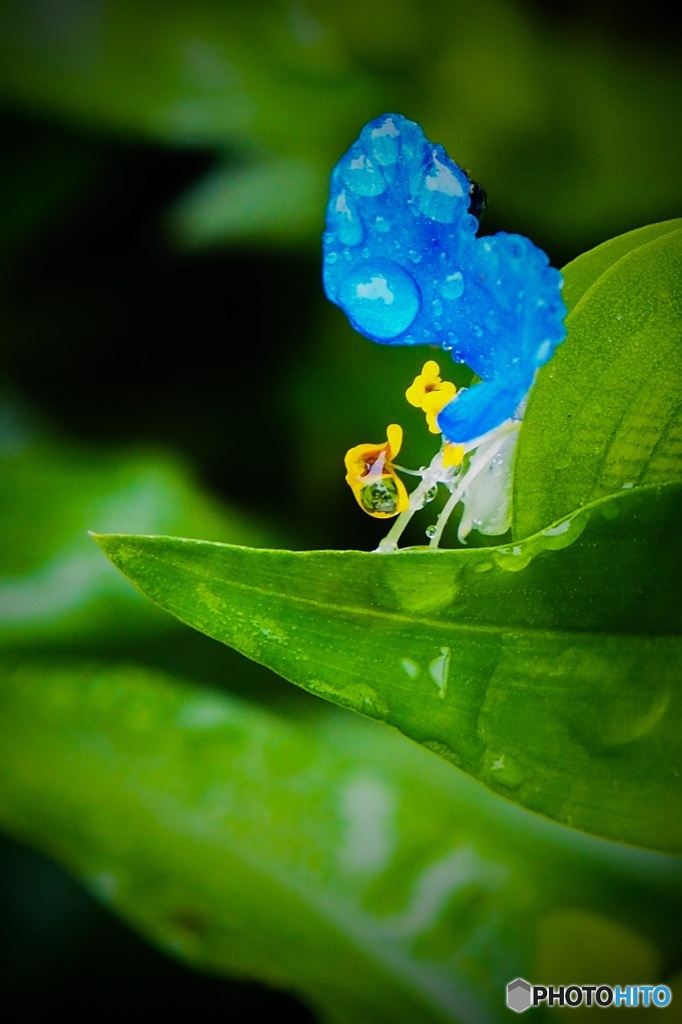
<point x="380" y="298"/>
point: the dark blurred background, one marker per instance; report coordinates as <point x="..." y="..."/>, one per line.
<point x="169" y="362"/>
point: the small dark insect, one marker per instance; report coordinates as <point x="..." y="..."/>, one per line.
<point x="479" y="199"/>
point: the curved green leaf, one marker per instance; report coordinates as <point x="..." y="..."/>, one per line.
<point x="335" y="858"/>
<point x="552" y="676"/>
<point x="582" y="272"/>
<point x="606" y="412"/>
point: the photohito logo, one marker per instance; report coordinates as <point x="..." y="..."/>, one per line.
<point x="521" y="995"/>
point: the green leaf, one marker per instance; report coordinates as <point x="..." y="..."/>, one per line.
<point x="210" y="74"/>
<point x="553" y="677"/>
<point x="606" y="412"/>
<point x="335" y="859"/>
<point x="584" y="271"/>
<point x="52" y="584"/>
<point x="275" y="200"/>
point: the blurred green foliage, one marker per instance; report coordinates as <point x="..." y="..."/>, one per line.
<point x="167" y="352"/>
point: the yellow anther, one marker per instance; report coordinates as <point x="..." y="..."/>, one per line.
<point x="430" y="394"/>
<point x="373" y="480"/>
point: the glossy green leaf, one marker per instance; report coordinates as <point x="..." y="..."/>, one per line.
<point x="584" y="271"/>
<point x="606" y="412"/>
<point x="549" y="669"/>
<point x="336" y="859"/>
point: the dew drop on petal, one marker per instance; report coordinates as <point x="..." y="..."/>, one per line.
<point x="380" y="298"/>
<point x="361" y="174"/>
<point x="452" y="286"/>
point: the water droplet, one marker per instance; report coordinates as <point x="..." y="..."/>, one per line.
<point x="346" y="220"/>
<point x="385" y="143"/>
<point x="439" y="670"/>
<point x="360" y="174"/>
<point x="504" y="770"/>
<point x="380" y="298"/>
<point x="563" y="534"/>
<point x="452" y="286"/>
<point x="411" y="668"/>
<point x="621" y="711"/>
<point x="443" y="193"/>
<point x="356" y="696"/>
<point x="513" y="559"/>
<point x="483" y="567"/>
<point x="430" y="531"/>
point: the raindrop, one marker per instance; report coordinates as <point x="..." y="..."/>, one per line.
<point x="513" y="559"/>
<point x="381" y="299"/>
<point x="361" y="175"/>
<point x="505" y="771"/>
<point x="452" y="286"/>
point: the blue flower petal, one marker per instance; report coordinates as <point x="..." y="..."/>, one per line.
<point x="478" y="409"/>
<point x="402" y="259"/>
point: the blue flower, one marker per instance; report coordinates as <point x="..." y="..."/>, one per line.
<point x="403" y="260"/>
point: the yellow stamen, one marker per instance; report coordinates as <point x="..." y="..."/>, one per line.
<point x="430" y="394"/>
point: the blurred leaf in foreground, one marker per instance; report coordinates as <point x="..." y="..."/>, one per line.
<point x="341" y="861"/>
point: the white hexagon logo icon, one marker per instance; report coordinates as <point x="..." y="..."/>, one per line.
<point x="518" y="995"/>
